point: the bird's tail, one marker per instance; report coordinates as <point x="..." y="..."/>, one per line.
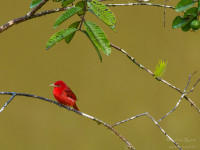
<point x="75" y="107"/>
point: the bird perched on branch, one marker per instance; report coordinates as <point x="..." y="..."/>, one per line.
<point x="64" y="95"/>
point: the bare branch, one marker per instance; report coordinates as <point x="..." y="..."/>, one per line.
<point x="172" y="109"/>
<point x="130" y="146"/>
<point x="183" y="95"/>
<point x="142" y="4"/>
<point x="165" y="11"/>
<point x="137" y="116"/>
<point x="98" y="121"/>
<point x="25" y="18"/>
<point x="11" y="98"/>
<point x="110" y="127"/>
<point x="188" y="82"/>
<point x="151" y="73"/>
<point x="164" y="131"/>
<point x="156" y="123"/>
<point x="192" y="89"/>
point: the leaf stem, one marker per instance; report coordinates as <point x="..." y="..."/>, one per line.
<point x="83" y="16"/>
<point x="33" y="11"/>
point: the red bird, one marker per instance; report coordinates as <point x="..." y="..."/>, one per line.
<point x="64" y="95"/>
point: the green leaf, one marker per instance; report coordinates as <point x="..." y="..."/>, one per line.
<point x="184" y="4"/>
<point x="81" y="4"/>
<point x="34" y="3"/>
<point x="191" y="13"/>
<point x="66" y="2"/>
<point x="96" y="48"/>
<point x="184" y="22"/>
<point x="59" y="36"/>
<point x="186" y="27"/>
<point x="70" y="12"/>
<point x="98" y="37"/>
<point x="179" y="22"/>
<point x="160" y="68"/>
<point x="69" y="37"/>
<point x="103" y="12"/>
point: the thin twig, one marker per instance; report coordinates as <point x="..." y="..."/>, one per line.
<point x="184" y="94"/>
<point x="142" y="4"/>
<point x="165" y="11"/>
<point x="137" y="116"/>
<point x="172" y="109"/>
<point x="192" y="89"/>
<point x="130" y="146"/>
<point x="151" y="73"/>
<point x="147" y="114"/>
<point x="98" y="121"/>
<point x="83" y="16"/>
<point x="164" y="131"/>
<point x="11" y="98"/>
<point x="190" y="76"/>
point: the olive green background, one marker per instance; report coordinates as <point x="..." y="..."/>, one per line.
<point x="113" y="90"/>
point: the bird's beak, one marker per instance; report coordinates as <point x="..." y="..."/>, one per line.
<point x="52" y="85"/>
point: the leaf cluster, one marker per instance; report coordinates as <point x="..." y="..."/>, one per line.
<point x="95" y="34"/>
<point x="189" y="20"/>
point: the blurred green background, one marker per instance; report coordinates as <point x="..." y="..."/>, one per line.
<point x="113" y="90"/>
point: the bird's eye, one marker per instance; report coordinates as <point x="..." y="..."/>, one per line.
<point x="58" y="85"/>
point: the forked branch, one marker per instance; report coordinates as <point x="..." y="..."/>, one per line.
<point x="184" y="94"/>
<point x="98" y="121"/>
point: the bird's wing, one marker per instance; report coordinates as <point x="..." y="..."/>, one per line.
<point x="70" y="94"/>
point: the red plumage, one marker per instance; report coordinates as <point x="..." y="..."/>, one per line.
<point x="64" y="95"/>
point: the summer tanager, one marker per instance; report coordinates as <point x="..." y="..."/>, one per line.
<point x="63" y="94"/>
